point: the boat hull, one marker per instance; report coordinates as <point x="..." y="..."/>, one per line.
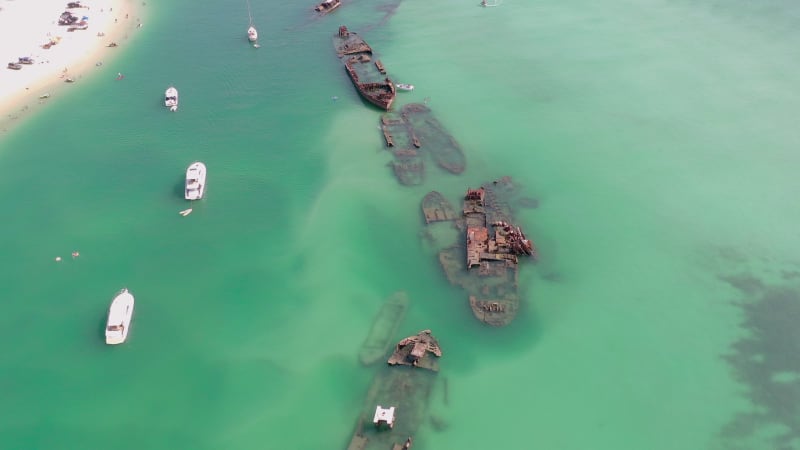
<point x="483" y="261"/>
<point x="407" y="164"/>
<point x="171" y="99"/>
<point x="195" y="181"/>
<point x="435" y="138"/>
<point x="436" y="208"/>
<point x="382" y="332"/>
<point x="405" y="383"/>
<point x="367" y="75"/>
<point x="120" y="314"/>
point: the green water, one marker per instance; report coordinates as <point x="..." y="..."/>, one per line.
<point x="658" y="138"/>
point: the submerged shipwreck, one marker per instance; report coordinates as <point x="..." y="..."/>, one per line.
<point x="485" y="262"/>
<point x="383" y="328"/>
<point x="397" y="401"/>
<point x="413" y="133"/>
<point x="434" y="138"/>
<point x="407" y="164"/>
<point x="368" y="75"/>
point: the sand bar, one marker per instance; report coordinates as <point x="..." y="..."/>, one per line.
<point x="27" y="25"/>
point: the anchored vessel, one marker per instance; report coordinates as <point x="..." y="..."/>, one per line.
<point x="400" y="140"/>
<point x="195" y="181"/>
<point x="327" y="6"/>
<point x="119" y="318"/>
<point x="383" y="329"/>
<point x="486" y="263"/>
<point x="434" y="137"/>
<point x="397" y="401"/>
<point x="171" y="98"/>
<point x="368" y="76"/>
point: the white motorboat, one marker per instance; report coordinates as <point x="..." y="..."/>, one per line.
<point x="252" y="34"/>
<point x="195" y="181"/>
<point x="171" y="98"/>
<point x="405" y="87"/>
<point x="119" y="318"/>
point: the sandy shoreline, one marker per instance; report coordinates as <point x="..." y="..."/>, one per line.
<point x="26" y="25"/>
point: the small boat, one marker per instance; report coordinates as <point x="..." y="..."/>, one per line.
<point x="252" y="34"/>
<point x="25" y="60"/>
<point x="112" y="44"/>
<point x="405" y="87"/>
<point x="381" y="335"/>
<point x="69" y="80"/>
<point x="185" y="212"/>
<point x="119" y="318"/>
<point x="195" y="181"/>
<point x="14" y="66"/>
<point x="171" y="98"/>
<point x="327" y="6"/>
<point x="120" y="76"/>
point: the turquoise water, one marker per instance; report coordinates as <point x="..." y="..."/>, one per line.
<point x="658" y="137"/>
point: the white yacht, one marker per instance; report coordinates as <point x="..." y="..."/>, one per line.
<point x="195" y="181"/>
<point x="171" y="98"/>
<point x="252" y="34"/>
<point x="119" y="318"/>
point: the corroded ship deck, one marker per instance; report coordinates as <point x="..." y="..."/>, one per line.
<point x="368" y="75"/>
<point x="397" y="401"/>
<point x="485" y="262"/>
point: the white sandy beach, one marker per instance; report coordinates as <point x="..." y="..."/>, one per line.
<point x="26" y="25"/>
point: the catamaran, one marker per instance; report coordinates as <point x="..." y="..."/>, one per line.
<point x="119" y="318"/>
<point x="195" y="181"/>
<point x="171" y="98"/>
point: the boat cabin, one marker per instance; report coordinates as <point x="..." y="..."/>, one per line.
<point x="383" y="416"/>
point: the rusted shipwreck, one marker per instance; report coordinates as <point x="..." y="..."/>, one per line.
<point x="367" y="74"/>
<point x="485" y="260"/>
<point x="397" y="401"/>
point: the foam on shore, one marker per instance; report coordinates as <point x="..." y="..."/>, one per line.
<point x="27" y="26"/>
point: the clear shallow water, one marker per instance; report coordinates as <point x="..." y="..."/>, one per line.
<point x="658" y="138"/>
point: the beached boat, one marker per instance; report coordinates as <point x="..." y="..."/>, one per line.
<point x="434" y="137"/>
<point x="119" y="318"/>
<point x="397" y="401"/>
<point x="383" y="329"/>
<point x="485" y="263"/>
<point x="195" y="181"/>
<point x="14" y="66"/>
<point x="436" y="208"/>
<point x="368" y="75"/>
<point x="327" y="6"/>
<point x="171" y="98"/>
<point x="82" y="25"/>
<point x="405" y="87"/>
